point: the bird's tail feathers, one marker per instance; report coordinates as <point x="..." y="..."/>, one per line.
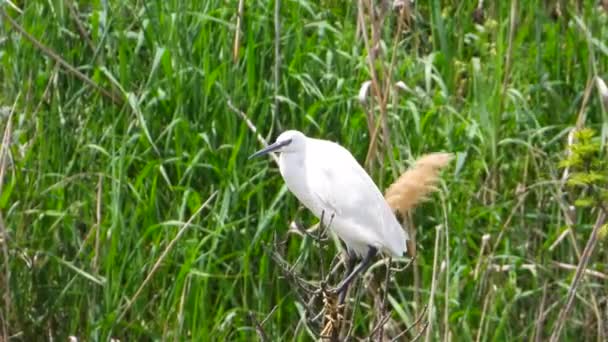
<point x="415" y="184"/>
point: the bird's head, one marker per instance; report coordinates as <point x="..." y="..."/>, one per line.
<point x="287" y="142"/>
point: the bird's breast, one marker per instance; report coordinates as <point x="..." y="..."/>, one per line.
<point x="294" y="170"/>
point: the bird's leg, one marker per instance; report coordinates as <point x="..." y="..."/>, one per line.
<point x="350" y="266"/>
<point x="360" y="268"/>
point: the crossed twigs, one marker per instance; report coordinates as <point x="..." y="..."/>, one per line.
<point x="332" y="321"/>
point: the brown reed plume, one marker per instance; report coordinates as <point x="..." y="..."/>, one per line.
<point x="414" y="185"/>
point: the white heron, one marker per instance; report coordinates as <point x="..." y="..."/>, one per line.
<point x="329" y="181"/>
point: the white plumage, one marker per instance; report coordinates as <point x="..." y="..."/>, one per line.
<point x="327" y="179"/>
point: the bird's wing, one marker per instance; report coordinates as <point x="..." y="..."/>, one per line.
<point x="343" y="187"/>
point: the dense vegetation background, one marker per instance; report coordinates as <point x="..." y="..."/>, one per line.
<point x="118" y="128"/>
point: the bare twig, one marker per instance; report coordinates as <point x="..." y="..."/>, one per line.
<point x="484" y="242"/>
<point x="389" y="90"/>
<point x="433" y="283"/>
<point x="252" y="128"/>
<point x="385" y="295"/>
<point x="97" y="224"/>
<point x="289" y="273"/>
<point x="277" y="55"/>
<point x="94" y="228"/>
<point x="375" y="84"/>
<point x="297" y="228"/>
<point x="4" y="326"/>
<point x="274" y="309"/>
<point x="540" y="321"/>
<point x="509" y="53"/>
<point x="417" y="337"/>
<point x="4" y="152"/>
<point x="378" y="328"/>
<point x="383" y="316"/>
<point x="416" y="322"/>
<point x="592" y="273"/>
<point x="446" y="310"/>
<point x="484" y="310"/>
<point x="581" y="117"/>
<point x="569" y="216"/>
<point x="582" y="265"/>
<point x="81" y="30"/>
<point x="367" y="102"/>
<point x="237" y="31"/>
<point x="258" y="328"/>
<point x="164" y="255"/>
<point x="117" y="99"/>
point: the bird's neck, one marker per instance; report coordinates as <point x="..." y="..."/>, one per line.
<point x="292" y="164"/>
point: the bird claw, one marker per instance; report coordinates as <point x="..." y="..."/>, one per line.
<point x="336" y="290"/>
<point x="333" y="291"/>
<point x="329" y="291"/>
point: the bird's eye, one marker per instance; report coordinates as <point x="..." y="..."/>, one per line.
<point x="284" y="142"/>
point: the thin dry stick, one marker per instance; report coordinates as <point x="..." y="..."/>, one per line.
<point x="420" y="317"/>
<point x="484" y="242"/>
<point x="358" y="294"/>
<point x="520" y="202"/>
<point x="592" y="273"/>
<point x="483" y="313"/>
<point x="385" y="294"/>
<point x="93" y="229"/>
<point x="378" y="90"/>
<point x="47" y="90"/>
<point x="580" y="119"/>
<point x="4" y="327"/>
<point x="269" y="315"/>
<point x="494" y="248"/>
<point x="367" y="102"/>
<point x="385" y="91"/>
<point x="582" y="265"/>
<point x="6" y="140"/>
<point x="505" y="81"/>
<point x="237" y="31"/>
<point x="433" y="285"/>
<point x="569" y="218"/>
<point x="408" y="222"/>
<point x="258" y="328"/>
<point x="180" y="310"/>
<point x="389" y="90"/>
<point x="422" y="331"/>
<point x="375" y="84"/>
<point x="541" y="319"/>
<point x="117" y="99"/>
<point x="446" y="309"/>
<point x="81" y="30"/>
<point x="383" y="316"/>
<point x="492" y="178"/>
<point x="371" y="58"/>
<point x="252" y="128"/>
<point x="164" y="255"/>
<point x="97" y="224"/>
<point x="580" y="122"/>
<point x="277" y="55"/>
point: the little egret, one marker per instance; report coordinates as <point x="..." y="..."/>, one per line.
<point x="327" y="179"/>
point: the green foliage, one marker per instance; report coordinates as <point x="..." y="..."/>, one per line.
<point x="94" y="192"/>
<point x="589" y="168"/>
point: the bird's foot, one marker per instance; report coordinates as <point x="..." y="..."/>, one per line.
<point x="338" y="289"/>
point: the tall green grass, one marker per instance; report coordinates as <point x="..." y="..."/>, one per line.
<point x="94" y="192"/>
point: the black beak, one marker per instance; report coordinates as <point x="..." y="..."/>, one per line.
<point x="271" y="148"/>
